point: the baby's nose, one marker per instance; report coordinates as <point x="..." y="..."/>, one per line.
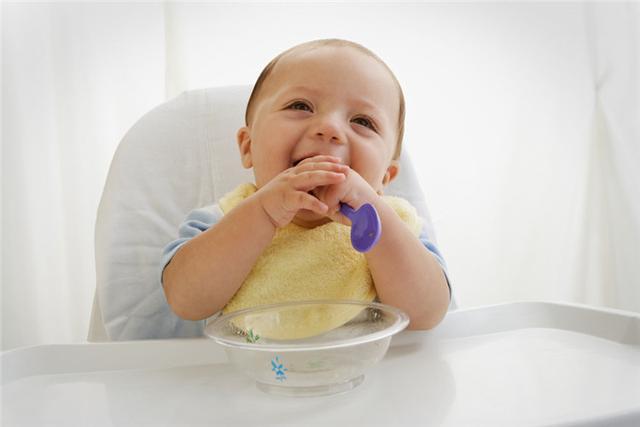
<point x="330" y="136"/>
<point x="329" y="129"/>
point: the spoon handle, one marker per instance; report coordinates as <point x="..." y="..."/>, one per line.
<point x="347" y="211"/>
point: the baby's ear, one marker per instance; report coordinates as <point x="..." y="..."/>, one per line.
<point x="243" y="138"/>
<point x="391" y="173"/>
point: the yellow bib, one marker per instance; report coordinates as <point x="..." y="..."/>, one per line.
<point x="309" y="264"/>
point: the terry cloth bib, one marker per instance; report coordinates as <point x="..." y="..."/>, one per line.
<point x="308" y="264"/>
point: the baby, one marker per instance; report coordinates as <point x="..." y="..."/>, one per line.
<point x="324" y="126"/>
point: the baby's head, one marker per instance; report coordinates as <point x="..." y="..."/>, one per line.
<point x="332" y="97"/>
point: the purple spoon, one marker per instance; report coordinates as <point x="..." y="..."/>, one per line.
<point x="365" y="226"/>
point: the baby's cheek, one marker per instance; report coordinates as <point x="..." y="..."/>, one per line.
<point x="375" y="182"/>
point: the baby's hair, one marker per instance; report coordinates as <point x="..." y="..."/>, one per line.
<point x="321" y="43"/>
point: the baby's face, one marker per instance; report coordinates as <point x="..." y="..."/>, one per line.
<point x="330" y="100"/>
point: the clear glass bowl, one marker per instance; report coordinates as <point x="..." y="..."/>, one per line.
<point x="308" y="348"/>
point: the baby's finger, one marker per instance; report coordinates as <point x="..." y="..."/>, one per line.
<point x="332" y="195"/>
<point x="307" y="181"/>
<point x="339" y="218"/>
<point x="307" y="201"/>
<point x="320" y="158"/>
<point x="327" y="166"/>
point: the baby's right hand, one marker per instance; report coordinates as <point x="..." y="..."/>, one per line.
<point x="287" y="193"/>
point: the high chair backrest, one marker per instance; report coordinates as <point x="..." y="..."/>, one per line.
<point x="179" y="156"/>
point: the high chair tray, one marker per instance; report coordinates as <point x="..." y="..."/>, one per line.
<point x="516" y="364"/>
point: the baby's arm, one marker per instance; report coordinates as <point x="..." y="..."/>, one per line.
<point x="208" y="270"/>
<point x="406" y="275"/>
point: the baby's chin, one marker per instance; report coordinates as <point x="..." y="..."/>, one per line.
<point x="309" y="219"/>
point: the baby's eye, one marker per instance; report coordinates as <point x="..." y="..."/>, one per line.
<point x="363" y="121"/>
<point x="300" y="105"/>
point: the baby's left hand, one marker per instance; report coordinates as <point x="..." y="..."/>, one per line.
<point x="354" y="191"/>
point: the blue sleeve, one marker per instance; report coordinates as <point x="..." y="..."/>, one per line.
<point x="198" y="221"/>
<point x="429" y="242"/>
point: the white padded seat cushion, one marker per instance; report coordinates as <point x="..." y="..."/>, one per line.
<point x="179" y="156"/>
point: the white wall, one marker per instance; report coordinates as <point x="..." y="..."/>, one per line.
<point x="527" y="181"/>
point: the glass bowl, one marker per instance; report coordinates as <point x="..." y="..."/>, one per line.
<point x="308" y="348"/>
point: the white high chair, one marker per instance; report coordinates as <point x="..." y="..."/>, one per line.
<point x="179" y="156"/>
<point x="547" y="363"/>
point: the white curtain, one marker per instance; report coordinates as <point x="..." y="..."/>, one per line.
<point x="75" y="78"/>
<point x="523" y="120"/>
